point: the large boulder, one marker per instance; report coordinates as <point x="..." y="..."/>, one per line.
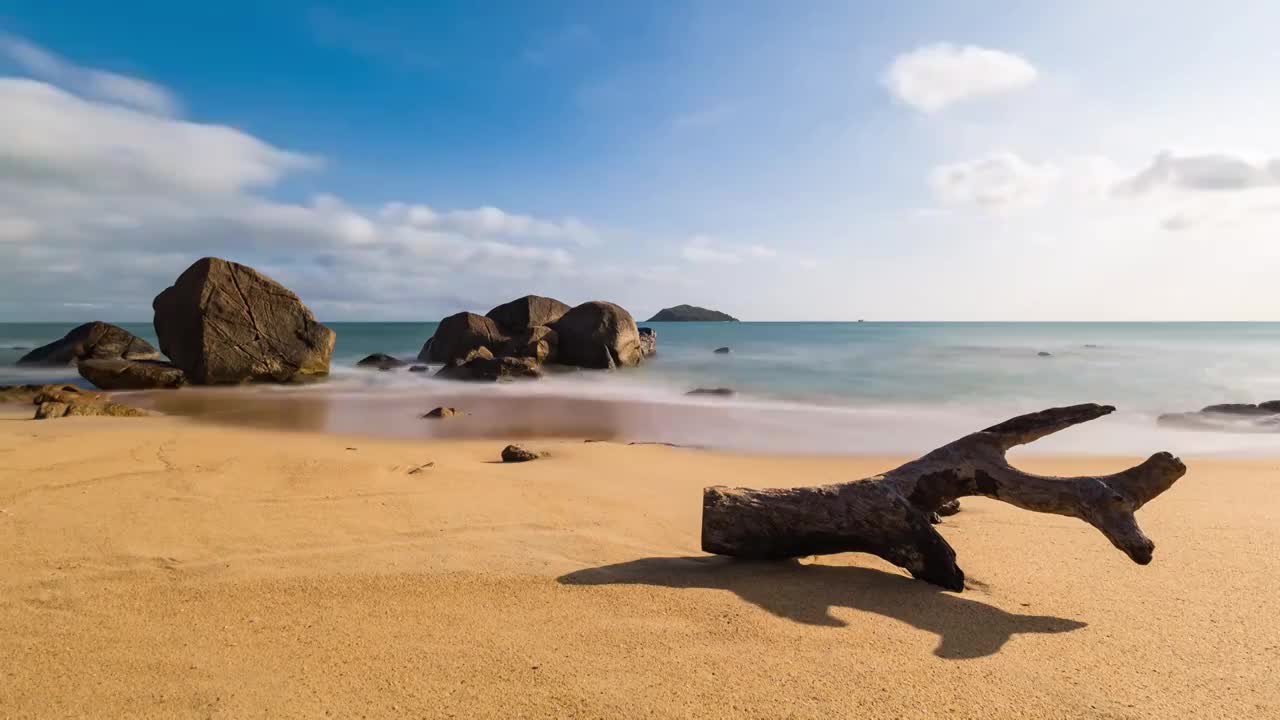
<point x="527" y="312"/>
<point x="597" y="334"/>
<point x="223" y="322"/>
<point x="458" y="335"/>
<point x="92" y="341"/>
<point x="131" y="374"/>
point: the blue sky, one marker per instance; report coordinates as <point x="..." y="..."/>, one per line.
<point x="776" y="160"/>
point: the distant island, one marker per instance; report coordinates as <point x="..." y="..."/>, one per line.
<point x="689" y="313"/>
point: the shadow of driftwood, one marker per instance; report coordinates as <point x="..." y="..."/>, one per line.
<point x="806" y="593"/>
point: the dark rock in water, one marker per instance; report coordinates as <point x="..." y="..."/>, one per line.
<point x="418" y="368"/>
<point x="691" y="313"/>
<point x="1044" y="354"/>
<point x="52" y="410"/>
<point x="517" y="454"/>
<point x="1091" y="346"/>
<point x="442" y="412"/>
<point x="648" y="341"/>
<point x="527" y="312"/>
<point x="949" y="508"/>
<point x="458" y="335"/>
<point x="721" y="392"/>
<point x="597" y="334"/>
<point x="92" y="341"/>
<point x="131" y="374"/>
<point x="481" y="365"/>
<point x="538" y="342"/>
<point x="722" y="350"/>
<point x="1267" y="408"/>
<point x="1270" y="405"/>
<point x="381" y="361"/>
<point x="223" y="322"/>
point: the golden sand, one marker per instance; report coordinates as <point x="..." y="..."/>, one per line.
<point x="157" y="568"/>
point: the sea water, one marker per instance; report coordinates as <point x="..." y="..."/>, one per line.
<point x="856" y="387"/>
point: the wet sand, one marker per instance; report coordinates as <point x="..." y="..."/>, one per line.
<point x="161" y="568"/>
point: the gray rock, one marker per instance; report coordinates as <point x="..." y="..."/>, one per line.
<point x="92" y="341"/>
<point x="223" y="322"/>
<point x="722" y="350"/>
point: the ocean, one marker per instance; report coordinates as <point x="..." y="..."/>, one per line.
<point x="841" y="387"/>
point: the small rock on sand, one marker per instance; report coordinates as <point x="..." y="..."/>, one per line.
<point x="516" y="454"/>
<point x="442" y="412"/>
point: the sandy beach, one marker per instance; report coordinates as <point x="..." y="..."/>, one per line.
<point x="159" y="568"/>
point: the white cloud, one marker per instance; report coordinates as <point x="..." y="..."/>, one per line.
<point x="998" y="183"/>
<point x="702" y="249"/>
<point x="46" y="132"/>
<point x="935" y="76"/>
<point x="103" y="85"/>
<point x="1211" y="172"/>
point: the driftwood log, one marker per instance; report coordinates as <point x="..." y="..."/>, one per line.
<point x="888" y="515"/>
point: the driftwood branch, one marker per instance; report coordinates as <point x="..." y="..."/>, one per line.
<point x="888" y="515"/>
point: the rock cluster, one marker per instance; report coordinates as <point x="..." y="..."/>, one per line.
<point x="515" y="339"/>
<point x="1228" y="417"/>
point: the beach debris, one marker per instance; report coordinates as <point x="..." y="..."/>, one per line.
<point x="225" y="323"/>
<point x="52" y="409"/>
<point x="722" y="350"/>
<point x="889" y="515"/>
<point x="719" y="392"/>
<point x="381" y="361"/>
<point x="1228" y="417"/>
<point x="92" y="341"/>
<point x="691" y="313"/>
<point x="648" y="341"/>
<point x="121" y="374"/>
<point x="419" y="468"/>
<point x="441" y="412"/>
<point x="517" y="454"/>
<point x="418" y="368"/>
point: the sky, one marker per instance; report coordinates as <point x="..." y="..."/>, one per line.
<point x="777" y="161"/>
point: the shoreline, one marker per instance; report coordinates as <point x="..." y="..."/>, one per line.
<point x="159" y="567"/>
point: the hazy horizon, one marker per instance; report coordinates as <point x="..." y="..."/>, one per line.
<point x="826" y="163"/>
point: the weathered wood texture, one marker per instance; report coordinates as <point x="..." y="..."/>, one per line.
<point x="888" y="515"/>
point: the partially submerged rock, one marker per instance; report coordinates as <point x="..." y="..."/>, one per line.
<point x="441" y="413"/>
<point x="517" y="454"/>
<point x="722" y="350"/>
<point x="481" y="365"/>
<point x="381" y="361"/>
<point x="537" y="342"/>
<point x="648" y="341"/>
<point x="418" y="368"/>
<point x="1228" y="417"/>
<point x="92" y="341"/>
<point x="223" y="322"/>
<point x="719" y="392"/>
<point x="598" y="335"/>
<point x="131" y="374"/>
